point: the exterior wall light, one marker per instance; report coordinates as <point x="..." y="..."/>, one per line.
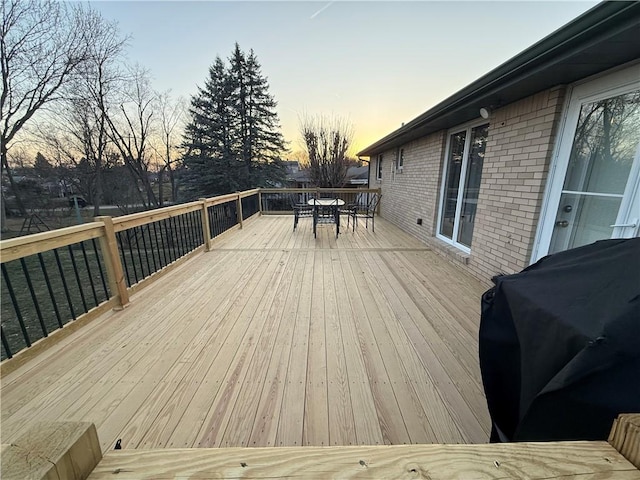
<point x="485" y="112"/>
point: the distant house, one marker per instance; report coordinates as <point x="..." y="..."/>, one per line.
<point x="298" y="177"/>
<point x="357" y="176"/>
<point x="537" y="156"/>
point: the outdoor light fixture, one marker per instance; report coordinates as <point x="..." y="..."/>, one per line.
<point x="485" y="112"/>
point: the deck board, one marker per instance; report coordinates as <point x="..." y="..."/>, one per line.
<point x="274" y="338"/>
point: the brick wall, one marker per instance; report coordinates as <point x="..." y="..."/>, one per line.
<point x="516" y="163"/>
<point x="514" y="174"/>
<point x="414" y="193"/>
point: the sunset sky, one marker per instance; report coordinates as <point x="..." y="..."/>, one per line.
<point x="377" y="64"/>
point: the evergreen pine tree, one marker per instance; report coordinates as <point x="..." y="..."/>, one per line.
<point x="263" y="137"/>
<point x="233" y="140"/>
<point x="209" y="155"/>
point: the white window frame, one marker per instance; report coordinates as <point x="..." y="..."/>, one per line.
<point x="463" y="178"/>
<point x="608" y="84"/>
<point x="400" y="159"/>
<point x="379" y="159"/>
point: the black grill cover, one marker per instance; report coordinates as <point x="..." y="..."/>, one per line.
<point x="560" y="344"/>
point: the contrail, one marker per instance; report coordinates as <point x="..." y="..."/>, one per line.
<point x="321" y="10"/>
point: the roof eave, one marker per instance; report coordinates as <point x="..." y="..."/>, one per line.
<point x="598" y="23"/>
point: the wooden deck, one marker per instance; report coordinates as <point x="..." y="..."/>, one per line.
<point x="274" y="338"/>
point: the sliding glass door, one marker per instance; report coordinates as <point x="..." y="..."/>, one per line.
<point x="459" y="199"/>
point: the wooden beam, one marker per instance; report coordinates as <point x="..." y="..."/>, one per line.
<point x="625" y="437"/>
<point x="229" y="197"/>
<point x="113" y="264"/>
<point x="52" y="451"/>
<point x="142" y="218"/>
<point x="239" y="210"/>
<point x="19" y="247"/>
<point x="566" y="460"/>
<point x="206" y="231"/>
<point x="248" y="193"/>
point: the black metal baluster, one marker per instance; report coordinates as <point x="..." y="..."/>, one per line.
<point x="135" y="236"/>
<point x="146" y="251"/>
<point x="32" y="292"/>
<point x="168" y="231"/>
<point x="156" y="244"/>
<point x="16" y="307"/>
<point x="161" y="242"/>
<point x="64" y="284"/>
<point x="212" y="220"/>
<point x="223" y="216"/>
<point x="188" y="220"/>
<point x="183" y="235"/>
<point x="220" y="218"/>
<point x="153" y="258"/>
<point x="104" y="281"/>
<point x="133" y="260"/>
<point x="180" y="233"/>
<point x="86" y="264"/>
<point x="51" y="294"/>
<point x="167" y="236"/>
<point x="197" y="222"/>
<point x="178" y="236"/>
<point x="75" y="271"/>
<point x="122" y="256"/>
<point x="5" y="344"/>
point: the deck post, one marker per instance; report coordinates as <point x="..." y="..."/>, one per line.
<point x="625" y="437"/>
<point x="52" y="450"/>
<point x="113" y="265"/>
<point x="260" y="200"/>
<point x="206" y="232"/>
<point x="239" y="209"/>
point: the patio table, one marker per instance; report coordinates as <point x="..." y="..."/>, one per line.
<point x="325" y="210"/>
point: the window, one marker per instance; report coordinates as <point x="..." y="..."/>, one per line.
<point x="400" y="160"/>
<point x="379" y="168"/>
<point x="461" y="185"/>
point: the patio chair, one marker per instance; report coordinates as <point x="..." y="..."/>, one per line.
<point x="300" y="210"/>
<point x="347" y="208"/>
<point x="329" y="213"/>
<point x="367" y="212"/>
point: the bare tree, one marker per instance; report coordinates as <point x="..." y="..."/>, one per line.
<point x="327" y="140"/>
<point x="42" y="45"/>
<point x="172" y="117"/>
<point x="131" y="127"/>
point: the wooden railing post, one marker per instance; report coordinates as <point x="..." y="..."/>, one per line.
<point x="113" y="265"/>
<point x="239" y="209"/>
<point x="206" y="232"/>
<point x="625" y="436"/>
<point x="260" y="201"/>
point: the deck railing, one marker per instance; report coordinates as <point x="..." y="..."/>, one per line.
<point x="278" y="200"/>
<point x="55" y="278"/>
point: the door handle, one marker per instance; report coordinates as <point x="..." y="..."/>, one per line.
<point x="634" y="224"/>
